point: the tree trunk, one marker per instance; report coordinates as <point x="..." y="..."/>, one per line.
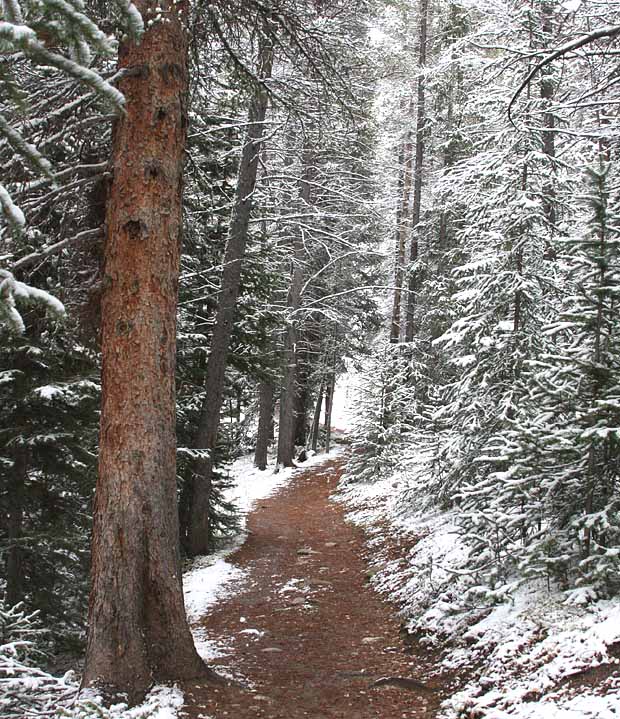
<point x="137" y="628"/>
<point x="16" y="496"/>
<point x="547" y="91"/>
<point x="329" y="401"/>
<point x="317" y="417"/>
<point x="301" y="399"/>
<point x="286" y="431"/>
<point x="286" y="424"/>
<point x="417" y="176"/>
<point x="402" y="218"/>
<point x="265" y="422"/>
<point x="198" y="541"/>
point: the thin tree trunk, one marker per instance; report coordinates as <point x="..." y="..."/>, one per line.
<point x="16" y="496"/>
<point x="301" y="399"/>
<point x="137" y="628"/>
<point x="265" y="422"/>
<point x="286" y="425"/>
<point x="317" y="417"/>
<point x="402" y="218"/>
<point x="449" y="151"/>
<point x="547" y="91"/>
<point x="198" y="536"/>
<point x="286" y="431"/>
<point x="329" y="401"/>
<point x="417" y="175"/>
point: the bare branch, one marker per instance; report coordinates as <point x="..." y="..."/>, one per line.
<point x="34" y="257"/>
<point x="610" y="31"/>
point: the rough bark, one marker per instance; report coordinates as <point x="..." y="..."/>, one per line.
<point x="16" y="497"/>
<point x="198" y="540"/>
<point x="417" y="175"/>
<point x="266" y="392"/>
<point x="138" y="632"/>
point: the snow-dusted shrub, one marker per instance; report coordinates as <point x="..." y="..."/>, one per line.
<point x="546" y="504"/>
<point x="160" y="703"/>
<point x="25" y="688"/>
<point x="12" y="291"/>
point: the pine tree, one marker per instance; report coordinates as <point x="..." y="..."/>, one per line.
<point x="560" y="459"/>
<point x="35" y="77"/>
<point x="49" y="389"/>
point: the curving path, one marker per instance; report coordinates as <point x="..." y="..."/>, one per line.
<point x="307" y="634"/>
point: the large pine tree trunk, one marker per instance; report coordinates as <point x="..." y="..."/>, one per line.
<point x="206" y="437"/>
<point x="138" y="630"/>
<point x="265" y="422"/>
<point x="417" y="175"/>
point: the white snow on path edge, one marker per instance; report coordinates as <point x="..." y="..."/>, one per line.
<point x="210" y="577"/>
<point x="525" y="649"/>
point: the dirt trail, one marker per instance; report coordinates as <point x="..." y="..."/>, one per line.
<point x="325" y="635"/>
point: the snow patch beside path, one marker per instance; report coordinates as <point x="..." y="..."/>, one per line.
<point x="529" y="653"/>
<point x="160" y="703"/>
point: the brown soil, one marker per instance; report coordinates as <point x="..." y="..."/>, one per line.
<point x="325" y="643"/>
<point x="604" y="677"/>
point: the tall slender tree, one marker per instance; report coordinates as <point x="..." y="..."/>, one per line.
<point x="206" y="437"/>
<point x="420" y="132"/>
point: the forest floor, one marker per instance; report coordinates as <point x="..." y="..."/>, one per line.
<point x="303" y="632"/>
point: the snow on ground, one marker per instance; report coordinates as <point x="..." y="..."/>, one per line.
<point x="160" y="703"/>
<point x="524" y="650"/>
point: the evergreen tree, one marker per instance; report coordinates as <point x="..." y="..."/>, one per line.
<point x="49" y="391"/>
<point x="557" y="468"/>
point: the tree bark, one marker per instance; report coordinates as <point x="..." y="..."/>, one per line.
<point x="417" y="175"/>
<point x="402" y="221"/>
<point x="265" y="423"/>
<point x="137" y="629"/>
<point x="286" y="430"/>
<point x="317" y="417"/>
<point x="15" y="518"/>
<point x="329" y="401"/>
<point x="198" y="540"/>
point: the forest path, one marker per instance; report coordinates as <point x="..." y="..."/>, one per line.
<point x="305" y="632"/>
